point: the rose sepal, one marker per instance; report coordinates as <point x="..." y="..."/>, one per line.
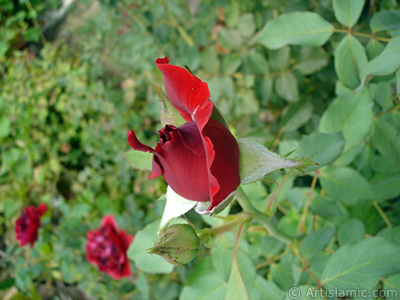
<point x="256" y="161"/>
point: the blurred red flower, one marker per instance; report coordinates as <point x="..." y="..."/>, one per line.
<point x="199" y="159"/>
<point x="28" y="224"/>
<point x="106" y="248"/>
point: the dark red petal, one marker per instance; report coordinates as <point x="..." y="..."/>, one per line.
<point x="42" y="208"/>
<point x="89" y="256"/>
<point x="187" y="93"/>
<point x="126" y="240"/>
<point x="156" y="169"/>
<point x="126" y="269"/>
<point x="109" y="220"/>
<point x="135" y="144"/>
<point x="225" y="166"/>
<point x="183" y="162"/>
<point x="164" y="60"/>
<point x="27" y="226"/>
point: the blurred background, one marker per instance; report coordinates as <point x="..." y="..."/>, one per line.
<point x="74" y="80"/>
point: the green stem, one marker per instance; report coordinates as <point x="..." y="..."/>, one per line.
<point x="239" y="219"/>
<point x="261" y="217"/>
<point x="231" y="224"/>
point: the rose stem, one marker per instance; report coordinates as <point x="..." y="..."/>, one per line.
<point x="261" y="217"/>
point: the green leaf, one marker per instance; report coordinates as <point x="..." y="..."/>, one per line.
<point x="351" y="231"/>
<point x="265" y="89"/>
<point x="345" y="185"/>
<point x="286" y="87"/>
<point x="398" y="84"/>
<point x="264" y="289"/>
<point x="391" y="286"/>
<point x="312" y="60"/>
<point x="229" y="38"/>
<point x="382" y="94"/>
<point x="7" y="283"/>
<point x="232" y="14"/>
<point x="143" y="286"/>
<point x="256" y="161"/>
<point x="352" y="115"/>
<point x="241" y="278"/>
<point x="326" y="207"/>
<point x="203" y="283"/>
<point x="296" y="115"/>
<point x="304" y="292"/>
<point x="361" y="265"/>
<point x="4" y="127"/>
<point x="32" y="35"/>
<point x="222" y="255"/>
<point x="384" y="64"/>
<point x="279" y="60"/>
<point x="210" y="60"/>
<point x="257" y="64"/>
<point x="386" y="186"/>
<point x="270" y="245"/>
<point x="386" y="136"/>
<point x="18" y="17"/>
<point x="297" y="28"/>
<point x="231" y="63"/>
<point x="3" y="48"/>
<point x="350" y="57"/>
<point x="350" y="153"/>
<point x="7" y="34"/>
<point x="246" y="26"/>
<point x="374" y="48"/>
<point x="392" y="233"/>
<point x="323" y="148"/>
<point x="385" y="20"/>
<point x="283" y="274"/>
<point x="315" y="242"/>
<point x="139" y="160"/>
<point x="236" y="288"/>
<point x="347" y="12"/>
<point x="381" y="164"/>
<point x="144" y="239"/>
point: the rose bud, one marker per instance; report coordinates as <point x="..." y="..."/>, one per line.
<point x="28" y="224"/>
<point x="177" y="244"/>
<point x="106" y="248"/>
<point x="199" y="160"/>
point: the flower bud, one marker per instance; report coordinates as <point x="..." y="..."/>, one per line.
<point x="177" y="244"/>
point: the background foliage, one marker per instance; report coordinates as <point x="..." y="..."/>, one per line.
<point x="320" y="76"/>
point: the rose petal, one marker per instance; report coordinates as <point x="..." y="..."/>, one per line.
<point x="135" y="144"/>
<point x="109" y="220"/>
<point x="183" y="162"/>
<point x="42" y="208"/>
<point x="126" y="239"/>
<point x="106" y="248"/>
<point x="190" y="96"/>
<point x="126" y="269"/>
<point x="187" y="93"/>
<point x="225" y="166"/>
<point x="27" y="226"/>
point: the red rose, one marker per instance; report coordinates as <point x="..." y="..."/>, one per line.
<point x="27" y="225"/>
<point x="106" y="248"/>
<point x="200" y="159"/>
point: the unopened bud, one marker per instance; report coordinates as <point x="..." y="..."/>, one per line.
<point x="177" y="244"/>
